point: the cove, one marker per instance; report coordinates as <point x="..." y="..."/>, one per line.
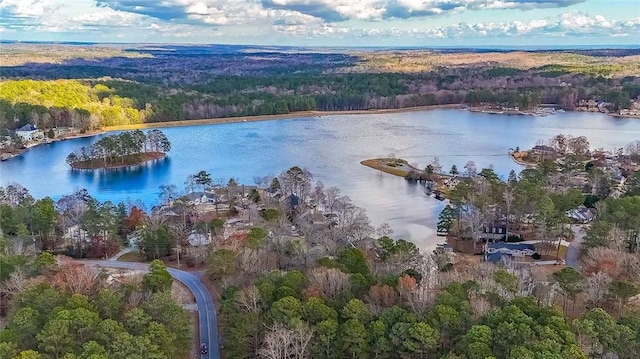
<point x="331" y="147"/>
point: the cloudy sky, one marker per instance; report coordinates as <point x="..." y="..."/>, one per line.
<point x="326" y="22"/>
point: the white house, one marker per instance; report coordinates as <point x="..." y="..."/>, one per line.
<point x="27" y="132"/>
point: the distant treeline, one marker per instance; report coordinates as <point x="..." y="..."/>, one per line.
<point x="91" y="104"/>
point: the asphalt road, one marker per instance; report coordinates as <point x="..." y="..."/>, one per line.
<point x="206" y="310"/>
<point x="573" y="251"/>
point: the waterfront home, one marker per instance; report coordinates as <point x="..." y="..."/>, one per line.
<point x="199" y="198"/>
<point x="494" y="252"/>
<point x="451" y="183"/>
<point x="543" y="152"/>
<point x="318" y="219"/>
<point x="632" y="112"/>
<point x="27" y="132"/>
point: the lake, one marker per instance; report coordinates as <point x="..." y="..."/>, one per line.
<point x="331" y="147"/>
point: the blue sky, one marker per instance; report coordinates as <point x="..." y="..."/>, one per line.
<point x="326" y="22"/>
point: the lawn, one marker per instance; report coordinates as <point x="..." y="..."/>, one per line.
<point x="132" y="257"/>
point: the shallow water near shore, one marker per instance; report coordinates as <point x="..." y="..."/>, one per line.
<point x="331" y="147"/>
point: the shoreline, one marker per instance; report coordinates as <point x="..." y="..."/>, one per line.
<point x="10" y="154"/>
<point x="256" y="118"/>
<point x="97" y="164"/>
<point x="286" y="116"/>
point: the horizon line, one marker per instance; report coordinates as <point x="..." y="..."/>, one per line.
<point x="520" y="47"/>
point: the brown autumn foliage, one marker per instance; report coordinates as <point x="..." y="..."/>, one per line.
<point x="135" y="219"/>
<point x="406" y="284"/>
<point x="313" y="292"/>
<point x="76" y="278"/>
<point x="332" y="282"/>
<point x="382" y="296"/>
<point x="102" y="248"/>
<point x="618" y="265"/>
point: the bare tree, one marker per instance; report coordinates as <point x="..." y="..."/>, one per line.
<point x="480" y="305"/>
<point x="253" y="261"/>
<point x="612" y="262"/>
<point x="76" y="278"/>
<point x="384" y="230"/>
<point x="437" y="167"/>
<point x="470" y="169"/>
<point x="546" y="292"/>
<point x="16" y="282"/>
<point x="249" y="299"/>
<point x="596" y="287"/>
<point x="353" y="223"/>
<point x="281" y="342"/>
<point x="332" y="282"/>
<point x="331" y="198"/>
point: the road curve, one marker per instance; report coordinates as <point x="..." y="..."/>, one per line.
<point x="206" y="310"/>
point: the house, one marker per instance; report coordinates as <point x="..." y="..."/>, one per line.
<point x="27" y="132"/>
<point x="542" y="152"/>
<point x="494" y="252"/>
<point x="332" y="218"/>
<point x="581" y="214"/>
<point x="445" y="247"/>
<point x="451" y="183"/>
<point x="199" y="198"/>
<point x="292" y="204"/>
<point x="318" y="219"/>
<point x="494" y="232"/>
<point x="603" y="106"/>
<point x="631" y="112"/>
<point x="198" y="239"/>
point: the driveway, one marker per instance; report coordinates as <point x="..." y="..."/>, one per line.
<point x="206" y="310"/>
<point x="573" y="251"/>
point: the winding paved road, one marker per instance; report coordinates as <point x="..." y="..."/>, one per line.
<point x="206" y="310"/>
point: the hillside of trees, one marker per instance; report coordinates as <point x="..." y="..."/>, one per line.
<point x="345" y="290"/>
<point x="107" y="92"/>
<point x="64" y="309"/>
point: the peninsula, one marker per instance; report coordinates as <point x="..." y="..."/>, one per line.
<point x="129" y="148"/>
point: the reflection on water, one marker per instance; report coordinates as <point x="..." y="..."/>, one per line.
<point x="331" y="147"/>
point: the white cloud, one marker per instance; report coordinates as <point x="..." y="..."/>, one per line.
<point x="332" y="10"/>
<point x="265" y="20"/>
<point x="571" y="23"/>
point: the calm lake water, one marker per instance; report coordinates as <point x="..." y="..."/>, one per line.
<point x="331" y="147"/>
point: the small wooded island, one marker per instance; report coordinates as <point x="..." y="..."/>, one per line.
<point x="124" y="149"/>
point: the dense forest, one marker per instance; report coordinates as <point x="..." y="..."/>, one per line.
<point x="381" y="298"/>
<point x="65" y="309"/>
<point x="112" y="92"/>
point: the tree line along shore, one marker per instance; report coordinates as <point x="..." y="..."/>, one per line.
<point x="94" y="103"/>
<point x="128" y="148"/>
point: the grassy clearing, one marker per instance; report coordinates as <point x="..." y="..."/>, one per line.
<point x="380" y="164"/>
<point x="563" y="252"/>
<point x="132" y="257"/>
